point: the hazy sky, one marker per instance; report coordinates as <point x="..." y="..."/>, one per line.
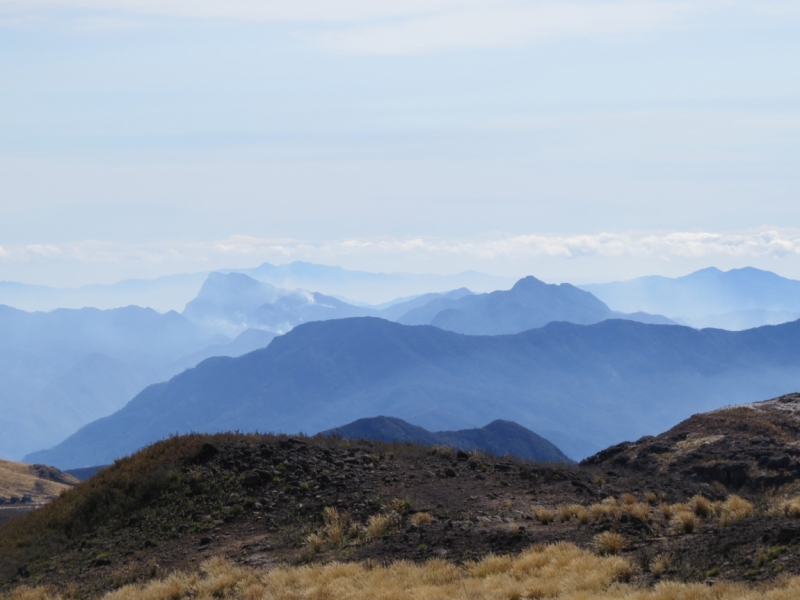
<point x="578" y="141"/>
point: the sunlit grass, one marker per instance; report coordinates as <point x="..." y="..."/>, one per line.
<point x="560" y="571"/>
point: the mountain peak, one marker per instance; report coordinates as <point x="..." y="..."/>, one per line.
<point x="529" y="282"/>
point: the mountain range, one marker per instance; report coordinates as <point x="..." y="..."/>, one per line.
<point x="63" y="369"/>
<point x="173" y="292"/>
<point x="68" y="367"/>
<point x="371" y="288"/>
<point x="228" y="303"/>
<point x="736" y="299"/>
<point x="498" y="437"/>
<point x="529" y="304"/>
<point x="163" y="294"/>
<point x="582" y="387"/>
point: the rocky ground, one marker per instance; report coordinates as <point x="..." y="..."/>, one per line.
<point x="261" y="500"/>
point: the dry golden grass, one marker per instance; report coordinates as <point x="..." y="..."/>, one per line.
<point x="786" y="508"/>
<point x="19" y="479"/>
<point x="421" y="518"/>
<point x="659" y="564"/>
<point x="379" y="526"/>
<point x="640" y="510"/>
<point x="685" y="521"/>
<point x="336" y="526"/>
<point x="627" y="499"/>
<point x="598" y="511"/>
<point x="608" y="542"/>
<point x="651" y="498"/>
<point x="608" y="508"/>
<point x="701" y="506"/>
<point x="561" y="572"/>
<point x="581" y="514"/>
<point x="398" y="505"/>
<point x="543" y="515"/>
<point x="315" y="542"/>
<point x="564" y="512"/>
<point x="735" y="510"/>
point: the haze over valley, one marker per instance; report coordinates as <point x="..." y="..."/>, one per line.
<point x="67" y="368"/>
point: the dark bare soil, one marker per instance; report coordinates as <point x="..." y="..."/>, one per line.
<point x="256" y="499"/>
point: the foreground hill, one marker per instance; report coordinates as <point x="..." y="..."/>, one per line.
<point x="266" y="501"/>
<point x="582" y="387"/>
<point x="498" y="437"/>
<point x="736" y="299"/>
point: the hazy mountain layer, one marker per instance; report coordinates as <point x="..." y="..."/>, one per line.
<point x="171" y="292"/>
<point x="498" y="437"/>
<point x="232" y="302"/>
<point x="529" y="304"/>
<point x="63" y="369"/>
<point x="373" y="288"/>
<point x="735" y="299"/>
<point x="582" y="387"/>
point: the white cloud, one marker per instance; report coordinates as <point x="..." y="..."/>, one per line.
<point x="313" y="11"/>
<point x="757" y="244"/>
<point x="506" y="24"/>
<point x="413" y="26"/>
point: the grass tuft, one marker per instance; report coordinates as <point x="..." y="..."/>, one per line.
<point x="735" y="510"/>
<point x="701" y="506"/>
<point x="659" y="564"/>
<point x="608" y="542"/>
<point x="421" y="518"/>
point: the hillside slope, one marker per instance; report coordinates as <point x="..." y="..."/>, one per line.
<point x="36" y="483"/>
<point x="582" y="387"/>
<point x="498" y="437"/>
<point x="752" y="446"/>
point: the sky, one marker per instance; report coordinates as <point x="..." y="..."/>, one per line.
<point x="575" y="141"/>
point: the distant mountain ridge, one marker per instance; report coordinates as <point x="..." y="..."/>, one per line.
<point x="498" y="437"/>
<point x="736" y="299"/>
<point x="581" y="387"/>
<point x="173" y="292"/>
<point x="531" y="303"/>
<point x="163" y="294"/>
<point x="231" y="302"/>
<point x="373" y="288"/>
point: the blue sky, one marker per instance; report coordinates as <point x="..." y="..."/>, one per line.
<point x="577" y="141"/>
